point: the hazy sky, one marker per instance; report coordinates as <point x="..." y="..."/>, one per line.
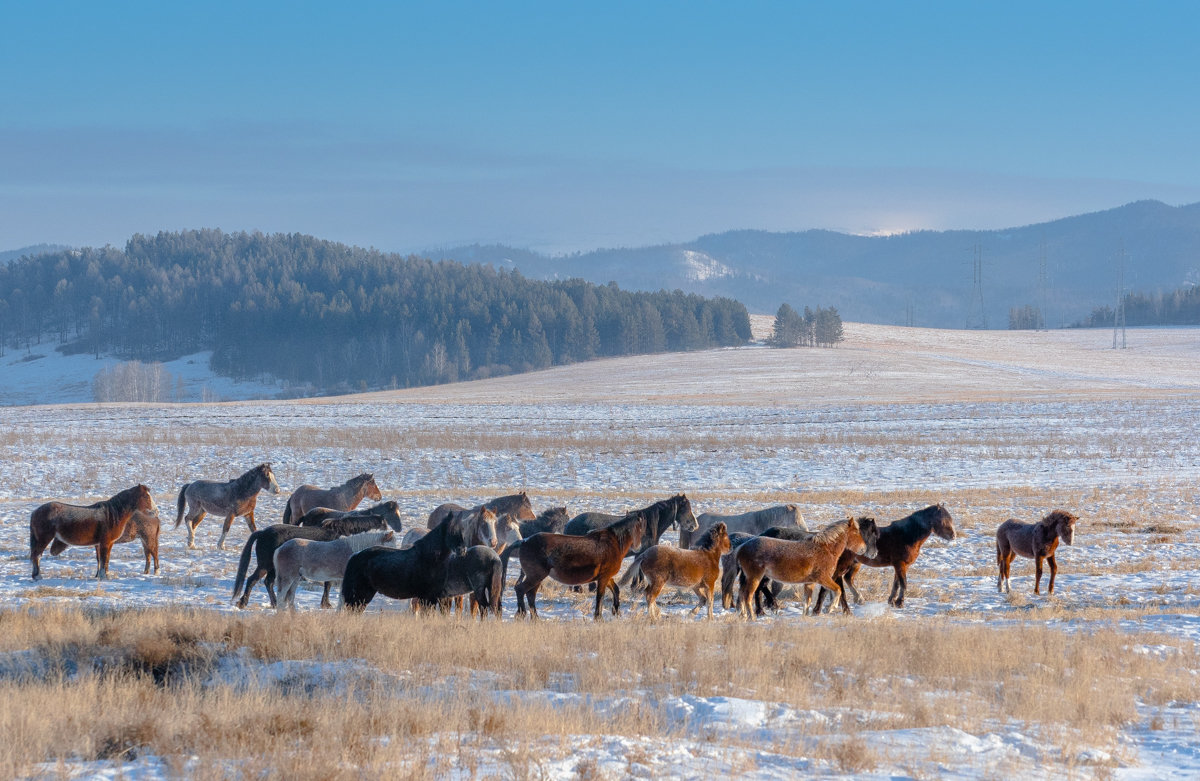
<point x="562" y="126"/>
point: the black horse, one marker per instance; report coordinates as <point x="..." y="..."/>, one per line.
<point x="477" y="571"/>
<point x="264" y="542"/>
<point x="419" y="572"/>
<point x="318" y="516"/>
<point x="660" y="516"/>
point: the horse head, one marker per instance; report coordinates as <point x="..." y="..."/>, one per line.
<point x="484" y="527"/>
<point x="941" y="522"/>
<point x="267" y="478"/>
<point x="1063" y="523"/>
<point x="719" y="535"/>
<point x="524" y="511"/>
<point x="684" y="517"/>
<point x="144" y="501"/>
<point x="373" y="492"/>
<point x="862" y="536"/>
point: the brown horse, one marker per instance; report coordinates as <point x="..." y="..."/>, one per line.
<point x="696" y="569"/>
<point x="1035" y="541"/>
<point x="229" y="498"/>
<point x="341" y="497"/>
<point x="319" y="516"/>
<point x="142" y="526"/>
<point x="899" y="545"/>
<point x="515" y="507"/>
<point x="100" y="524"/>
<point x="805" y="561"/>
<point x="595" y="557"/>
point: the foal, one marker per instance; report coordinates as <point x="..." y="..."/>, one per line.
<point x="696" y="569"/>
<point x="1035" y="541"/>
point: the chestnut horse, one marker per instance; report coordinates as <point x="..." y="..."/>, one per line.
<point x="229" y="498"/>
<point x="1035" y="541"/>
<point x="696" y="569"/>
<point x="142" y="526"/>
<point x="899" y="545"/>
<point x="100" y="524"/>
<point x="595" y="557"/>
<point x="805" y="561"/>
<point x="341" y="497"/>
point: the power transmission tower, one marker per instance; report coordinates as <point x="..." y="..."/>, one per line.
<point x="1119" y="311"/>
<point x="976" y="314"/>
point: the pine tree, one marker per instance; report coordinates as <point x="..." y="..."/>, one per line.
<point x="789" y="328"/>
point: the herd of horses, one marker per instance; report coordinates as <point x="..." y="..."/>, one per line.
<point x="465" y="551"/>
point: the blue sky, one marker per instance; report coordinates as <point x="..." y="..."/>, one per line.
<point x="563" y="126"/>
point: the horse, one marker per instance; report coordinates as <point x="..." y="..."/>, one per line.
<point x="676" y="511"/>
<point x="477" y="571"/>
<point x="767" y="596"/>
<point x="753" y="522"/>
<point x="899" y="545"/>
<point x="593" y="558"/>
<point x="230" y="499"/>
<point x="1035" y="541"/>
<point x="514" y="506"/>
<point x="390" y="510"/>
<point x="143" y="526"/>
<point x="321" y="561"/>
<point x="341" y="497"/>
<point x="100" y="524"/>
<point x="418" y="572"/>
<point x="803" y="561"/>
<point x="263" y="543"/>
<point x="553" y="519"/>
<point x="696" y="569"/>
<point x="477" y="527"/>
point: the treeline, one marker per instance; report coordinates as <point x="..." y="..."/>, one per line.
<point x="1180" y="307"/>
<point x="815" y="328"/>
<point x="321" y="314"/>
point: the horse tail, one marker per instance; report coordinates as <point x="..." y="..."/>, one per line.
<point x="356" y="591"/>
<point x="634" y="571"/>
<point x="496" y="590"/>
<point x="287" y="511"/>
<point x="181" y="504"/>
<point x="244" y="562"/>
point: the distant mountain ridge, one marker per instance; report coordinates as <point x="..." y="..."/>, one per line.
<point x="881" y="279"/>
<point x="7" y="256"/>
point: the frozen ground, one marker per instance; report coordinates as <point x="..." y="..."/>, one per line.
<point x="993" y="424"/>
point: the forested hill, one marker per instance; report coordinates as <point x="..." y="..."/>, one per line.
<point x="321" y="314"/>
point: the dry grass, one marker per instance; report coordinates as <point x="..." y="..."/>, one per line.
<point x="122" y="683"/>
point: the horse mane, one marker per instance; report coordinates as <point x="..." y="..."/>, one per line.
<point x="706" y="540"/>
<point x="624" y="527"/>
<point x="831" y="532"/>
<point x="354" y="483"/>
<point x="249" y="477"/>
<point x="1056" y="517"/>
<point x="127" y="498"/>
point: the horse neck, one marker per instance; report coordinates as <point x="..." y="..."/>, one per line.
<point x="915" y="528"/>
<point x="353" y="491"/>
<point x="364" y="540"/>
<point x="122" y="506"/>
<point x="249" y="483"/>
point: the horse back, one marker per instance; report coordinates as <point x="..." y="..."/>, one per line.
<point x="588" y="522"/>
<point x="786" y="560"/>
<point x="680" y="567"/>
<point x="73" y="524"/>
<point x="1017" y="536"/>
<point x="570" y="559"/>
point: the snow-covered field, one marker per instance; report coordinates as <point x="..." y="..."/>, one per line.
<point x="995" y="425"/>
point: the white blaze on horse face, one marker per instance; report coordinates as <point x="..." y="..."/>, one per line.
<point x="274" y="486"/>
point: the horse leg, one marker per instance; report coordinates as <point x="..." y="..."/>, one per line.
<point x="901" y="584"/>
<point x="250" y="521"/>
<point x="745" y="597"/>
<point x="255" y="576"/>
<point x="192" y="521"/>
<point x="600" y="587"/>
<point x="37" y="545"/>
<point x="225" y="530"/>
<point x="1000" y="566"/>
<point x="103" y="551"/>
<point x="270" y="584"/>
<point x="848" y="582"/>
<point x="836" y="587"/>
<point x="1053" y="571"/>
<point x="325" y="603"/>
<point x="1037" y="573"/>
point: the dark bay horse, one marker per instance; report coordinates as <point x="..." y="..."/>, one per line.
<point x="660" y="516"/>
<point x="341" y="497"/>
<point x="263" y="543"/>
<point x="1037" y="541"/>
<point x="514" y="507"/>
<point x="229" y="499"/>
<point x="899" y="545"/>
<point x="100" y="524"/>
<point x="574" y="560"/>
<point x="419" y="572"/>
<point x="753" y="522"/>
<point x="553" y="519"/>
<point x="697" y="569"/>
<point x="318" y="516"/>
<point x="768" y="592"/>
<point x="805" y="561"/>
